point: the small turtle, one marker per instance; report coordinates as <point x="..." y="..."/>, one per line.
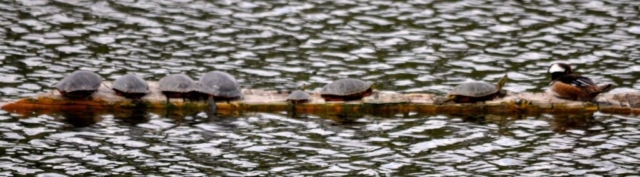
<point x="79" y="84"/>
<point x="177" y="86"/>
<point x="298" y="97"/>
<point x="219" y="86"/>
<point x="471" y="92"/>
<point x="130" y="86"/>
<point x="346" y="90"/>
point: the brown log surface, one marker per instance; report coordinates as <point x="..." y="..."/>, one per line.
<point x="257" y="100"/>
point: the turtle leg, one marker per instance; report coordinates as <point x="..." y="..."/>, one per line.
<point x="135" y="103"/>
<point x="292" y="106"/>
<point x="292" y="109"/>
<point x="212" y="107"/>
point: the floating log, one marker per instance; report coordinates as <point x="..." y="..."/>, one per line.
<point x="381" y="102"/>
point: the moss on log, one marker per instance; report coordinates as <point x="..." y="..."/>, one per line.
<point x="381" y="102"/>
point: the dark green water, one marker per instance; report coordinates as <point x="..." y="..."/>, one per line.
<point x="404" y="46"/>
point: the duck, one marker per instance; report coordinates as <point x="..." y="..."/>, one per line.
<point x="567" y="85"/>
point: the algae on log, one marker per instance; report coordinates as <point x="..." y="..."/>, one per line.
<point x="381" y="102"/>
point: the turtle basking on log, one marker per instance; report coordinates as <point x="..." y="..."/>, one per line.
<point x="79" y="84"/>
<point x="178" y="86"/>
<point x="130" y="86"/>
<point x="217" y="85"/>
<point x="298" y="97"/>
<point x="472" y="92"/>
<point x="346" y="90"/>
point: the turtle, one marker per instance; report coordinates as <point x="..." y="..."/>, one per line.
<point x="298" y="97"/>
<point x="177" y="86"/>
<point x="471" y="92"/>
<point x="130" y="86"/>
<point x="79" y="84"/>
<point x="219" y="86"/>
<point x="346" y="90"/>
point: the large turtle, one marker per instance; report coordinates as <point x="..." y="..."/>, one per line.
<point x="130" y="86"/>
<point x="471" y="92"/>
<point x="217" y="85"/>
<point x="346" y="90"/>
<point x="177" y="86"/>
<point x="79" y="84"/>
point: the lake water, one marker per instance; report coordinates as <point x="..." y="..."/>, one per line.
<point x="404" y="46"/>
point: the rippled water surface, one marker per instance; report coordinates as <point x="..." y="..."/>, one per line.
<point x="404" y="46"/>
<point x="271" y="144"/>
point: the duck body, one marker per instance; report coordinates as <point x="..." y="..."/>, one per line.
<point x="567" y="85"/>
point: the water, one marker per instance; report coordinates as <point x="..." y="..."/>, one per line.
<point x="404" y="46"/>
<point x="274" y="145"/>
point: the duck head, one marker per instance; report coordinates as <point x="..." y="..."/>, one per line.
<point x="558" y="70"/>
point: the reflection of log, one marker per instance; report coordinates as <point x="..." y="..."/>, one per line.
<point x="380" y="103"/>
<point x="81" y="118"/>
<point x="563" y="122"/>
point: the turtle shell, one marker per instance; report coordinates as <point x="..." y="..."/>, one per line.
<point x="346" y="87"/>
<point x="474" y="89"/>
<point x="130" y="86"/>
<point x="346" y="90"/>
<point x="298" y="95"/>
<point x="179" y="83"/>
<point x="80" y="83"/>
<point x="220" y="84"/>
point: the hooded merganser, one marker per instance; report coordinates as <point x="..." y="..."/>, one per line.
<point x="565" y="84"/>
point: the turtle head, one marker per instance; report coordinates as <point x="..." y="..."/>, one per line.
<point x="502" y="93"/>
<point x="501" y="82"/>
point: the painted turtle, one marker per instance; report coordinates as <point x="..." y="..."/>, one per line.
<point x="177" y="86"/>
<point x="219" y="86"/>
<point x="130" y="86"/>
<point x="298" y="97"/>
<point x="79" y="84"/>
<point x="471" y="92"/>
<point x="295" y="98"/>
<point x="346" y="90"/>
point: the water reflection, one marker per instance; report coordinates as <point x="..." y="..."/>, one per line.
<point x="81" y="119"/>
<point x="560" y="123"/>
<point x="273" y="143"/>
<point x="132" y="117"/>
